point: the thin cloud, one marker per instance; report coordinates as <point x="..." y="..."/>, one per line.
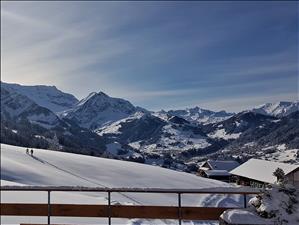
<point x="155" y="54"/>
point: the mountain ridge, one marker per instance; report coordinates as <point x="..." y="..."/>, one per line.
<point x="113" y="127"/>
<point x="278" y="109"/>
<point x="46" y="96"/>
<point x="98" y="109"/>
<point x="200" y="115"/>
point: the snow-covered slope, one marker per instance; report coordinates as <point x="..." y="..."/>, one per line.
<point x="259" y="136"/>
<point x="235" y="126"/>
<point x="200" y="115"/>
<point x="47" y="167"/>
<point x="98" y="109"/>
<point x="57" y="168"/>
<point x="46" y="96"/>
<point x="156" y="139"/>
<point x="170" y="133"/>
<point x="278" y="109"/>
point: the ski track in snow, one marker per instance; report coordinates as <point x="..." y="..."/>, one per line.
<point x="80" y="177"/>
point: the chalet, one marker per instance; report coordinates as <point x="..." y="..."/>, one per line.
<point x="217" y="169"/>
<point x="257" y="173"/>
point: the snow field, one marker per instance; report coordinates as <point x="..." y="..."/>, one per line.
<point x="51" y="168"/>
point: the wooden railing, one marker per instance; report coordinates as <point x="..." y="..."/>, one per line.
<point x="109" y="211"/>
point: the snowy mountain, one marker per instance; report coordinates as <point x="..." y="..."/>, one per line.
<point x="235" y="126"/>
<point x="259" y="136"/>
<point x="112" y="127"/>
<point x="23" y="122"/>
<point x="145" y="137"/>
<point x="278" y="109"/>
<point x="200" y="115"/>
<point x="98" y="109"/>
<point x="64" y="169"/>
<point x="46" y="96"/>
<point x="174" y="142"/>
<point x="17" y="107"/>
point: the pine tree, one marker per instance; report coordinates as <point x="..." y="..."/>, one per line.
<point x="280" y="175"/>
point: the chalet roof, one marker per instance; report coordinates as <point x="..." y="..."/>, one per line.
<point x="262" y="170"/>
<point x="211" y="173"/>
<point x="223" y="164"/>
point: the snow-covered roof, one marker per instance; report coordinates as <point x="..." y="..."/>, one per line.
<point x="262" y="170"/>
<point x="217" y="173"/>
<point x="223" y="165"/>
<point x="204" y="168"/>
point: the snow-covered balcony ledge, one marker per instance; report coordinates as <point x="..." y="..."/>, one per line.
<point x="276" y="205"/>
<point x="243" y="217"/>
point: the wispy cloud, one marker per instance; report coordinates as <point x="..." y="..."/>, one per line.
<point x="156" y="54"/>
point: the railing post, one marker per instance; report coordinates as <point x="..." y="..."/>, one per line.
<point x="244" y="199"/>
<point x="49" y="208"/>
<point x="109" y="207"/>
<point x="180" y="209"/>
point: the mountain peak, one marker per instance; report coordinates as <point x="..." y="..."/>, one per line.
<point x="84" y="100"/>
<point x="98" y="109"/>
<point x="93" y="95"/>
<point x="102" y="94"/>
<point x="278" y="109"/>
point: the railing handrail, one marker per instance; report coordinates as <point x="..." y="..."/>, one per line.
<point x="217" y="190"/>
<point x="15" y="208"/>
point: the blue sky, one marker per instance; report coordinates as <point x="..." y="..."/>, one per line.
<point x="217" y="55"/>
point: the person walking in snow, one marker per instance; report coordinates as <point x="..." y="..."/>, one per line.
<point x="27" y="151"/>
<point x="31" y="152"/>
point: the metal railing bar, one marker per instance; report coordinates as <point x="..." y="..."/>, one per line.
<point x="109" y="207"/>
<point x="223" y="190"/>
<point x="180" y="208"/>
<point x="245" y="201"/>
<point x="49" y="207"/>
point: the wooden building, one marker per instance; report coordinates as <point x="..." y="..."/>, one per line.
<point x="217" y="169"/>
<point x="257" y="173"/>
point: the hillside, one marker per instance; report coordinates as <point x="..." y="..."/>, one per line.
<point x="101" y="125"/>
<point x="268" y="138"/>
<point x="66" y="169"/>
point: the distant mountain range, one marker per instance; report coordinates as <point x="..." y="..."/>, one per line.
<point x="45" y="117"/>
<point x="200" y="115"/>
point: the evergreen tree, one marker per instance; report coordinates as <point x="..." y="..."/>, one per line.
<point x="280" y="175"/>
